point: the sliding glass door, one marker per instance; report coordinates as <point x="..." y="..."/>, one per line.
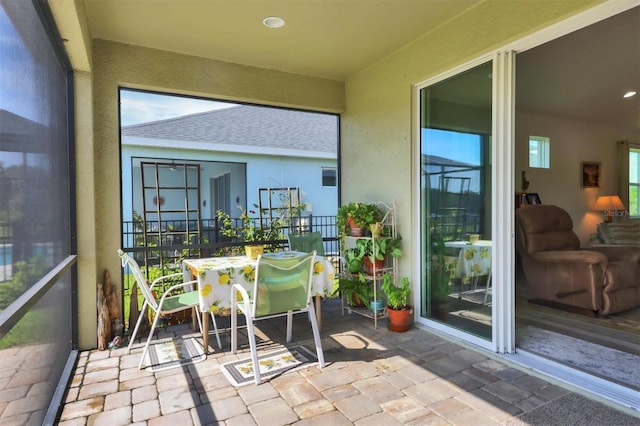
<point x="455" y="201"/>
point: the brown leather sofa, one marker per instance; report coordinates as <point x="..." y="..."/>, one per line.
<point x="602" y="280"/>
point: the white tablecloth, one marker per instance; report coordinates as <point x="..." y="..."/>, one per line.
<point x="215" y="276"/>
<point x="473" y="260"/>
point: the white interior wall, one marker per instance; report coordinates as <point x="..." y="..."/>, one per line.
<point x="571" y="142"/>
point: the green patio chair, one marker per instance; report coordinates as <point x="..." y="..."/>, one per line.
<point x="307" y="242"/>
<point x="282" y="286"/>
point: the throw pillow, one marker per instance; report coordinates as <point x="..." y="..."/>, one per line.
<point x="621" y="233"/>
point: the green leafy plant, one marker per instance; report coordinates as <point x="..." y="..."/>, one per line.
<point x="363" y="214"/>
<point x="374" y="249"/>
<point x="397" y="296"/>
<point x="380" y="247"/>
<point x="355" y="256"/>
<point x="354" y="287"/>
<point x="247" y="231"/>
<point x="439" y="274"/>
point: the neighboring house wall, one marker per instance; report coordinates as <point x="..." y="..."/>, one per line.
<point x="262" y="171"/>
<point x="571" y="143"/>
<point x="280" y="147"/>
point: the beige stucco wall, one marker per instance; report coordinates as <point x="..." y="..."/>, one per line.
<point x="376" y="148"/>
<point x="85" y="208"/>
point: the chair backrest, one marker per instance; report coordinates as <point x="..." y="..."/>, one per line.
<point x="139" y="277"/>
<point x="544" y="227"/>
<point x="307" y="242"/>
<point x="282" y="284"/>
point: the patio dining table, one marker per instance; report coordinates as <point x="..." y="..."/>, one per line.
<point x="216" y="275"/>
<point x="473" y="261"/>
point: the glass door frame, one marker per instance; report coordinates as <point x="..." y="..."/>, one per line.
<point x="502" y="220"/>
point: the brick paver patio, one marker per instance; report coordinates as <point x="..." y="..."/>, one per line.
<point x="371" y="377"/>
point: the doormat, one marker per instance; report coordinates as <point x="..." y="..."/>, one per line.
<point x="240" y="372"/>
<point x="481" y="315"/>
<point x="174" y="353"/>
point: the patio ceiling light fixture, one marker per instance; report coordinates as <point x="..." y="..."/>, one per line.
<point x="273" y="22"/>
<point x="629" y="94"/>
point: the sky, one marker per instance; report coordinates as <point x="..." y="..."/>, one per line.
<point x="142" y="107"/>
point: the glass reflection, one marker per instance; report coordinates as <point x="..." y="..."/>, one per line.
<point x="456" y="201"/>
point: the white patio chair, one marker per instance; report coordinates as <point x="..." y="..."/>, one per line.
<point x="282" y="287"/>
<point x="167" y="304"/>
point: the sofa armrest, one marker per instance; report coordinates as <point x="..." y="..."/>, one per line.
<point x="571" y="256"/>
<point x="616" y="253"/>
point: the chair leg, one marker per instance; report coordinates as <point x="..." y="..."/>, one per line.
<point x="234" y="324"/>
<point x="254" y="350"/>
<point x="135" y="329"/>
<point x="146" y="346"/>
<point x="289" y="325"/>
<point x="316" y="335"/>
<point x="486" y="289"/>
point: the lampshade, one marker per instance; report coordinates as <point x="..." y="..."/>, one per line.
<point x="608" y="204"/>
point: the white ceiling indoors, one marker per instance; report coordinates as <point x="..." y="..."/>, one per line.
<point x="582" y="75"/>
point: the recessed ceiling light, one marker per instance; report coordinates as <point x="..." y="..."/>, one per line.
<point x="273" y="22"/>
<point x="629" y="94"/>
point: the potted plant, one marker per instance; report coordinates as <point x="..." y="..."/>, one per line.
<point x="376" y="251"/>
<point x="439" y="276"/>
<point x="354" y="257"/>
<point x="399" y="311"/>
<point x="353" y="218"/>
<point x="254" y="236"/>
<point x="355" y="289"/>
<point x="376" y="229"/>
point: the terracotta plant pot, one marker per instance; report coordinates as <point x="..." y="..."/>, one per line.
<point x="368" y="266"/>
<point x="356" y="302"/>
<point x="355" y="230"/>
<point x="399" y="321"/>
<point x="439" y="309"/>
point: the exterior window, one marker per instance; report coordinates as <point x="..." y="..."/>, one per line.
<point x="329" y="177"/>
<point x="634" y="181"/>
<point x="539" y="152"/>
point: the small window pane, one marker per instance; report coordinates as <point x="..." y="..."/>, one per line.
<point x="329" y="177"/>
<point x="634" y="182"/>
<point x="539" y="152"/>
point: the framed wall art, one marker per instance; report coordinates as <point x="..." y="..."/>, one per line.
<point x="590" y="174"/>
<point x="533" y="198"/>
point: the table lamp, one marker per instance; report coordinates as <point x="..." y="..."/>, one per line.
<point x="608" y="204"/>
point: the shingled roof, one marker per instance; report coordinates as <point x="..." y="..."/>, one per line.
<point x="247" y="125"/>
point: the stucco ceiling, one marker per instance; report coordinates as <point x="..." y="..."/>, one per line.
<point x="326" y="38"/>
<point x="582" y="75"/>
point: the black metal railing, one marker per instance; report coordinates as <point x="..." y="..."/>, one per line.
<point x="167" y="243"/>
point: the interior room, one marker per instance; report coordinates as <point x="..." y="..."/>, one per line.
<point x="571" y="91"/>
